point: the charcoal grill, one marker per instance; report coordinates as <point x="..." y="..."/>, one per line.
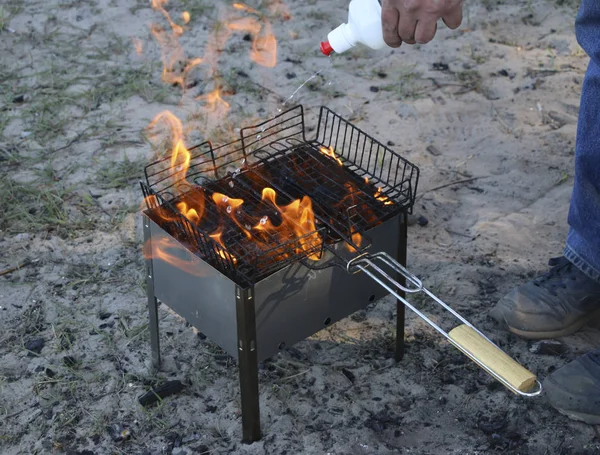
<point x="255" y="299"/>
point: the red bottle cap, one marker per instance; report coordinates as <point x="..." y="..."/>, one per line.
<point x="326" y="48"/>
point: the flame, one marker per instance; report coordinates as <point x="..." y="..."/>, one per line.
<point x="191" y="213"/>
<point x="264" y="43"/>
<point x="215" y="103"/>
<point x="180" y="155"/>
<point x="245" y="8"/>
<point x="382" y="197"/>
<point x="159" y="5"/>
<point x="357" y="240"/>
<point x="278" y="8"/>
<point x="137" y="45"/>
<point x="298" y="221"/>
<point x="216" y="236"/>
<point x="175" y="65"/>
<point x="330" y="153"/>
<point x="231" y="206"/>
<point x="164" y="249"/>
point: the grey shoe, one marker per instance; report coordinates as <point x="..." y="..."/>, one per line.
<point x="553" y="305"/>
<point x="575" y="388"/>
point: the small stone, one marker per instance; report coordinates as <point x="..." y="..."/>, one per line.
<point x="104" y="315"/>
<point x="19" y="99"/>
<point x="158" y="393"/>
<point x="439" y="66"/>
<point x="382" y="74"/>
<point x="346" y="372"/>
<point x="34" y="346"/>
<point x="374" y="89"/>
<point x="290" y="75"/>
<point x="422" y="221"/>
<point x="391" y="143"/>
<point x="107" y="325"/>
<point x="548" y="347"/>
<point x="119" y="432"/>
<point x="433" y="150"/>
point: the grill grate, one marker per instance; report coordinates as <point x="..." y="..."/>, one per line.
<point x="365" y="184"/>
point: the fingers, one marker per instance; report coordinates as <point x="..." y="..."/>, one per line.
<point x="389" y="22"/>
<point x="454" y="17"/>
<point x="425" y="31"/>
<point x="406" y="27"/>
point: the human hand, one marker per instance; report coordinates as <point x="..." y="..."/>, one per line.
<point x="415" y="21"/>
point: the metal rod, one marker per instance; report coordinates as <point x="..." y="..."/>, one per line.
<point x="367" y="265"/>
<point x="400" y="308"/>
<point x="248" y="364"/>
<point x="152" y="302"/>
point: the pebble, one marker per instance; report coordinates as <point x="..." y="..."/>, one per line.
<point x="548" y="347"/>
<point x="167" y="389"/>
<point x="104" y="315"/>
<point x="34" y="345"/>
<point x="119" y="432"/>
<point x="422" y="221"/>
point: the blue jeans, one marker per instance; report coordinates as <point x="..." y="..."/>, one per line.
<point x="583" y="240"/>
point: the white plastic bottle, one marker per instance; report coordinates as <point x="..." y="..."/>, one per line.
<point x="363" y="26"/>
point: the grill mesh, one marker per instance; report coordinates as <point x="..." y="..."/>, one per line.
<point x="364" y="185"/>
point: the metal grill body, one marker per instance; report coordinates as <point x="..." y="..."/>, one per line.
<point x="253" y="304"/>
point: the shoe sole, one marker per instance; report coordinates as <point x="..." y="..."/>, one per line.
<point x="585" y="418"/>
<point x="556" y="333"/>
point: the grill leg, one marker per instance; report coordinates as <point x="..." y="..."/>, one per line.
<point x="400" y="309"/>
<point x="248" y="365"/>
<point x="152" y="302"/>
<point x="153" y="326"/>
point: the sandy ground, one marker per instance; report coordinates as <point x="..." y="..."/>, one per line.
<point x="487" y="112"/>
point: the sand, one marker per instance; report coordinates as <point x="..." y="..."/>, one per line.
<point x="488" y="113"/>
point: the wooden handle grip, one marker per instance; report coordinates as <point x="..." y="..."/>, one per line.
<point x="493" y="357"/>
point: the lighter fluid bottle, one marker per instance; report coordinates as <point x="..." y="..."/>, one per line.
<point x="363" y="26"/>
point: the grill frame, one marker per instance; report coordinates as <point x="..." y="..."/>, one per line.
<point x="247" y="319"/>
<point x="271" y="142"/>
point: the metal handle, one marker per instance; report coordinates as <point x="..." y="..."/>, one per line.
<point x="367" y="264"/>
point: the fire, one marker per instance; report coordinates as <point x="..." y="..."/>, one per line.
<point x="331" y="154"/>
<point x="164" y="248"/>
<point x="191" y="213"/>
<point x="137" y="45"/>
<point x="159" y="5"/>
<point x="382" y="197"/>
<point x="180" y="155"/>
<point x="175" y="65"/>
<point x="231" y="206"/>
<point x="216" y="236"/>
<point x="264" y="43"/>
<point x="215" y="103"/>
<point x="298" y="221"/>
<point x="357" y="240"/>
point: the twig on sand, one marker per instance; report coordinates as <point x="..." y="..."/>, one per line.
<point x="15" y="267"/>
<point x="295" y="375"/>
<point x="457" y="182"/>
